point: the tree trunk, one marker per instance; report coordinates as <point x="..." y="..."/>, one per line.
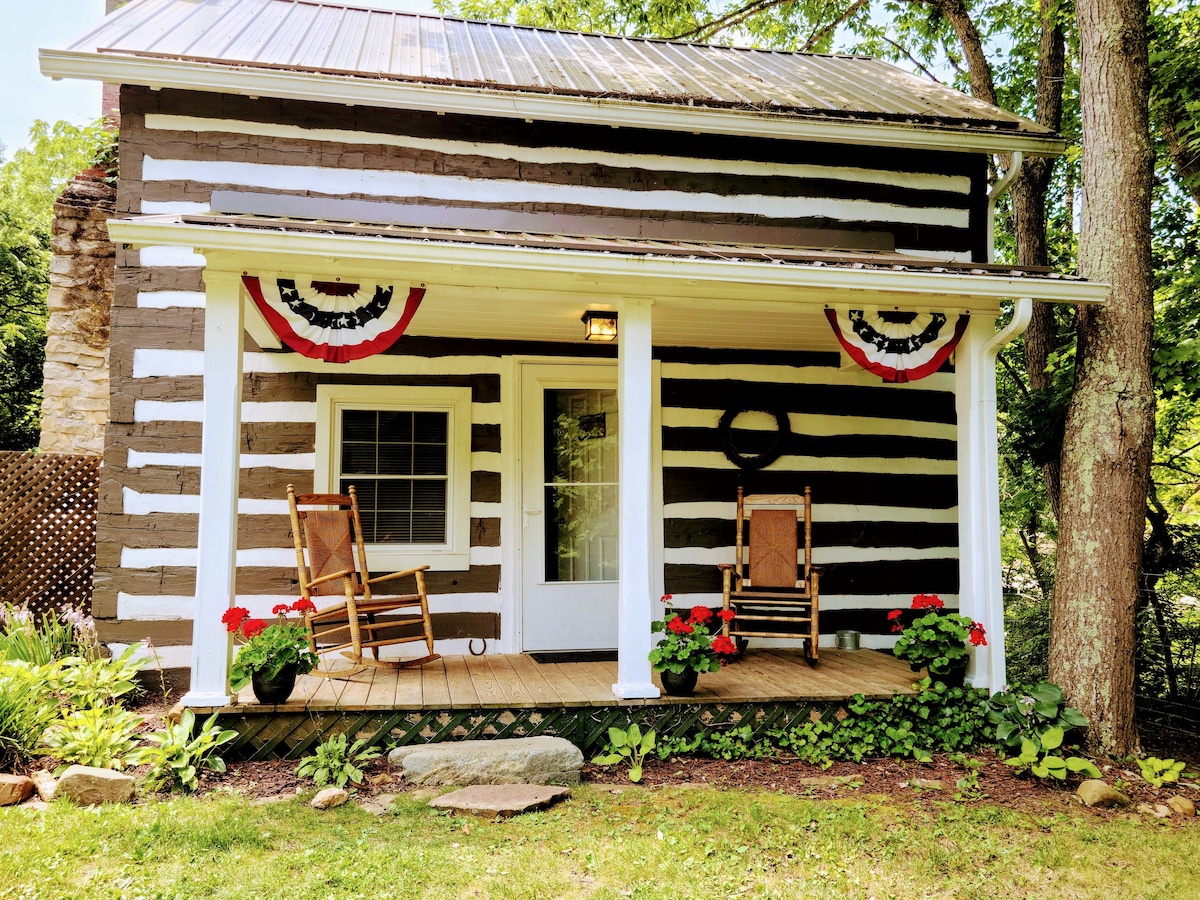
<point x="1110" y="423"/>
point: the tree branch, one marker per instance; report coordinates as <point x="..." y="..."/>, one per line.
<point x="820" y="34"/>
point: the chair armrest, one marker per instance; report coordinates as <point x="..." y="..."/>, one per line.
<point x="724" y="566"/>
<point x="331" y="576"/>
<point x="392" y="575"/>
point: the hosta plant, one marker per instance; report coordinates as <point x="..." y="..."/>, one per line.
<point x="337" y="761"/>
<point x="1038" y="756"/>
<point x="176" y="754"/>
<point x="629" y="745"/>
<point x="84" y="683"/>
<point x="1026" y="712"/>
<point x="1158" y="772"/>
<point x="103" y="736"/>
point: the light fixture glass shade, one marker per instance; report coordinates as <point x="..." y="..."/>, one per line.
<point x="599" y="325"/>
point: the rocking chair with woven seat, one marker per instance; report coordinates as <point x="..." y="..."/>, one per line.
<point x="331" y="561"/>
<point x="770" y="596"/>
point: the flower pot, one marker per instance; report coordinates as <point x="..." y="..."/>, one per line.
<point x="273" y="691"/>
<point x="680" y="685"/>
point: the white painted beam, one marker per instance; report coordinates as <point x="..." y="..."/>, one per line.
<point x="636" y="600"/>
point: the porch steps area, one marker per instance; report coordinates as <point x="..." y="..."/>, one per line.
<point x="461" y="697"/>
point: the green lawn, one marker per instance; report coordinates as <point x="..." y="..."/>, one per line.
<point x="678" y="842"/>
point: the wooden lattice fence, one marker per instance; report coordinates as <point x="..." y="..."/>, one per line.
<point x="47" y="529"/>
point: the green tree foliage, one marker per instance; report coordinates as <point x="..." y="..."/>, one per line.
<point x="29" y="182"/>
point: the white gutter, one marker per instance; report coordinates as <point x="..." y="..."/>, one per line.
<point x="157" y="73"/>
<point x="673" y="273"/>
<point x="994" y="195"/>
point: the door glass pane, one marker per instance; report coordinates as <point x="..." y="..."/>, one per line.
<point x="580" y="433"/>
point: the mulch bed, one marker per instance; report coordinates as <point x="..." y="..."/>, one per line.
<point x="904" y="781"/>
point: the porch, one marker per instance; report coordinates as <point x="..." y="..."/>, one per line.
<point x="494" y="696"/>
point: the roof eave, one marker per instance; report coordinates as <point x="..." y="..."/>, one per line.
<point x="157" y="73"/>
<point x="664" y="277"/>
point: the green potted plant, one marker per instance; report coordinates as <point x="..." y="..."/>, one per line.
<point x="935" y="639"/>
<point x="688" y="648"/>
<point x="272" y="655"/>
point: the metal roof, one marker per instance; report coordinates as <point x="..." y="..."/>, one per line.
<point x="330" y="39"/>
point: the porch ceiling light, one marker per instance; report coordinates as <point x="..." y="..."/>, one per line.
<point x="599" y="325"/>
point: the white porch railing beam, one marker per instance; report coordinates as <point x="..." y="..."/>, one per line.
<point x="636" y="587"/>
<point x="217" y="547"/>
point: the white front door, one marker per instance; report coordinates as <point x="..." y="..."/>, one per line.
<point x="569" y="507"/>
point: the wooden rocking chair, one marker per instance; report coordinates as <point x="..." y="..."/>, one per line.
<point x="336" y="565"/>
<point x="769" y="596"/>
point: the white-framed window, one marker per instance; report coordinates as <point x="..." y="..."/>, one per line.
<point x="407" y="451"/>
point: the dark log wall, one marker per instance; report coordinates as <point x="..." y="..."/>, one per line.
<point x="880" y="459"/>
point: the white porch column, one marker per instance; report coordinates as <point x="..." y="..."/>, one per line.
<point x="636" y="588"/>
<point x="217" y="549"/>
<point x="981" y="590"/>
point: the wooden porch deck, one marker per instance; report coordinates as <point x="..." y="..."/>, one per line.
<point x="460" y="697"/>
<point x="518" y="682"/>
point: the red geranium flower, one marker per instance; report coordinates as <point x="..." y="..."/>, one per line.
<point x="726" y="615"/>
<point x="701" y="614"/>
<point x="252" y="628"/>
<point x="233" y="617"/>
<point x="679" y="626"/>
<point x="977" y="635"/>
<point x="304" y="605"/>
<point x="722" y="644"/>
<point x="926" y="601"/>
<point x="281" y="609"/>
<point x="665" y="598"/>
<point x="894" y="618"/>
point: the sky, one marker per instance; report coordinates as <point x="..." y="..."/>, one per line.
<point x="30" y="95"/>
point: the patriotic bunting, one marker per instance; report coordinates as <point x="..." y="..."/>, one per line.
<point x="897" y="346"/>
<point x="332" y="323"/>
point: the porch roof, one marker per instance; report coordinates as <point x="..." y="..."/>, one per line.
<point x="325" y="51"/>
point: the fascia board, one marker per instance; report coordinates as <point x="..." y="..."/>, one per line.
<point x="360" y="91"/>
<point x="243" y="247"/>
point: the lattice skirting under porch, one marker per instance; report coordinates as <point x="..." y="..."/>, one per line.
<point x="291" y="735"/>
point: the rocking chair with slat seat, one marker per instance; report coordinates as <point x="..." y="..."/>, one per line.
<point x="770" y="597"/>
<point x="331" y="560"/>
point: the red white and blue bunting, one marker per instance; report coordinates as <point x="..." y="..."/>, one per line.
<point x="332" y="323"/>
<point x="897" y="346"/>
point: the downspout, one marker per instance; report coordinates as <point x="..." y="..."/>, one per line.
<point x="994" y="195"/>
<point x="997" y="674"/>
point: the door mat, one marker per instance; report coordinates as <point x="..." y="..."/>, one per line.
<point x="575" y="656"/>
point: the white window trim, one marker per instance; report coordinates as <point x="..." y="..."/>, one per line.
<point x="455" y="554"/>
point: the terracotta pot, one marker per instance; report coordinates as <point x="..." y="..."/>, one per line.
<point x="273" y="691"/>
<point x="681" y="685"/>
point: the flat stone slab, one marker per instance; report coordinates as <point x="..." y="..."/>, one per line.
<point x="535" y="760"/>
<point x="90" y="786"/>
<point x="493" y="801"/>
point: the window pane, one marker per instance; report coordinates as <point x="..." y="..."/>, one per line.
<point x="358" y="459"/>
<point x="581" y="533"/>
<point x="395" y="425"/>
<point x="429" y="459"/>
<point x="359" y="425"/>
<point x="395" y="459"/>
<point x="430" y="427"/>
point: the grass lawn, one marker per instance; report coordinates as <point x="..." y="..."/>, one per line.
<point x="670" y="842"/>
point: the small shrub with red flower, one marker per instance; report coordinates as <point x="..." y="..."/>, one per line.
<point x="937" y="640"/>
<point x="267" y="648"/>
<point x="689" y="643"/>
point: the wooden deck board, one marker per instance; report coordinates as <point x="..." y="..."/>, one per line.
<point x="456" y="682"/>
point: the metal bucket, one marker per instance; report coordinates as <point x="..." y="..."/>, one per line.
<point x="848" y="640"/>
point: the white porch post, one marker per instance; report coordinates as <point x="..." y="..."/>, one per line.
<point x="981" y="592"/>
<point x="636" y="588"/>
<point x="217" y="548"/>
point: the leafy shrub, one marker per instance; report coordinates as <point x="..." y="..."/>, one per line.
<point x="1035" y="721"/>
<point x="336" y="762"/>
<point x="629" y="745"/>
<point x="1158" y="772"/>
<point x="87" y="684"/>
<point x="26" y="708"/>
<point x="102" y="736"/>
<point x="1038" y="756"/>
<point x="175" y="754"/>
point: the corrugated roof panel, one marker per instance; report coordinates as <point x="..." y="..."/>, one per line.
<point x="435" y="54"/>
<point x="316" y="36"/>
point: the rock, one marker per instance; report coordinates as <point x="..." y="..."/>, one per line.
<point x="927" y="784"/>
<point x="37" y="804"/>
<point x="89" y="786"/>
<point x="377" y="805"/>
<point x="15" y="789"/>
<point x="821" y="781"/>
<point x="380" y="779"/>
<point x="1182" y="805"/>
<point x="273" y="798"/>
<point x="499" y="800"/>
<point x="535" y="760"/>
<point x="1095" y="792"/>
<point x="1158" y="810"/>
<point x="45" y="783"/>
<point x="329" y="798"/>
